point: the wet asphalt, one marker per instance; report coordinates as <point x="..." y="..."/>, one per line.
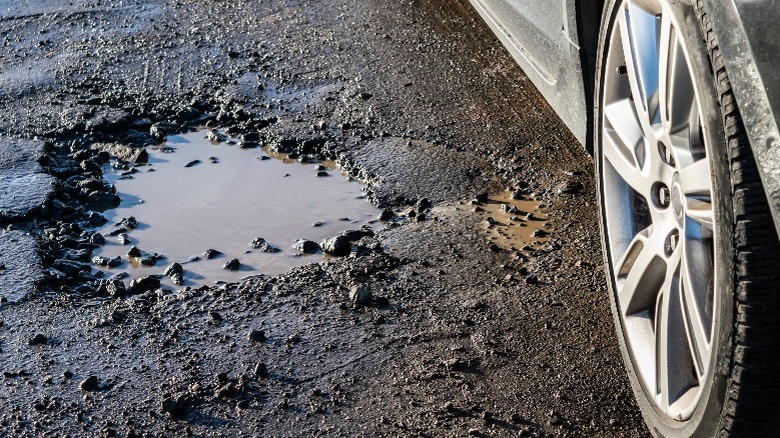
<point x="451" y="336"/>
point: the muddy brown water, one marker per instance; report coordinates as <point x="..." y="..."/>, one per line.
<point x="518" y="225"/>
<point x="226" y="204"/>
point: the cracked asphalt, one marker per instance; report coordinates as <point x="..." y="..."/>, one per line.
<point x="417" y="99"/>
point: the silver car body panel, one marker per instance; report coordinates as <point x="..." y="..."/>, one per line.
<point x="542" y="37"/>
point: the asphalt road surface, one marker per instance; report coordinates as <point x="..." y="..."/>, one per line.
<point x="418" y="99"/>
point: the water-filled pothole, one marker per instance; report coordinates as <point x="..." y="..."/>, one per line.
<point x="196" y="195"/>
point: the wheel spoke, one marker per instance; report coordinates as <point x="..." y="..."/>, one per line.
<point x="662" y="352"/>
<point x="695" y="129"/>
<point x="639" y="32"/>
<point x="640" y="273"/>
<point x="677" y="93"/>
<point x="673" y="361"/>
<point x="696" y="183"/>
<point x="623" y="142"/>
<point x="696" y="179"/>
<point x="666" y="49"/>
<point x="694" y="295"/>
<point x="700" y="211"/>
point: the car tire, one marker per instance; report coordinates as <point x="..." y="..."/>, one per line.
<point x="690" y="249"/>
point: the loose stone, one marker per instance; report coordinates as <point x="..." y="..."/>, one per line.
<point x="91" y="383"/>
<point x="149" y="259"/>
<point x="97" y="239"/>
<point x="260" y="370"/>
<point x="175" y="272"/>
<point x="257" y="335"/>
<point x="306" y="246"/>
<point x="114" y="287"/>
<point x="360" y="295"/>
<point x="173" y="268"/>
<point x="100" y="200"/>
<point x="129" y="222"/>
<point x="213" y="135"/>
<point x="115" y="262"/>
<point x="38" y="339"/>
<point x="123" y="238"/>
<point x="211" y="253"/>
<point x="232" y="264"/>
<point x="100" y="261"/>
<point x="122" y="152"/>
<point x="261" y="244"/>
<point x="386" y="215"/>
<point x="134" y="252"/>
<point x="338" y="245"/>
<point x="144" y="284"/>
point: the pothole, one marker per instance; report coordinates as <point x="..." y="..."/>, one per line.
<point x="249" y="204"/>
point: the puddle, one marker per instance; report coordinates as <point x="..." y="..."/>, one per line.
<point x="224" y="201"/>
<point x="513" y="224"/>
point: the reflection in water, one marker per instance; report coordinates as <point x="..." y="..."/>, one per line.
<point x="230" y="197"/>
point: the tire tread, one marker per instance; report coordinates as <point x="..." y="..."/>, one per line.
<point x="752" y="404"/>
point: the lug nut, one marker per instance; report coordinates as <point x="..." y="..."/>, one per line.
<point x="662" y="196"/>
<point x="666" y="154"/>
<point x="672" y="241"/>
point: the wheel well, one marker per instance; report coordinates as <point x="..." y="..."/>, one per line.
<point x="588" y="25"/>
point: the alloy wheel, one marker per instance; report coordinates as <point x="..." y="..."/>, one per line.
<point x="657" y="204"/>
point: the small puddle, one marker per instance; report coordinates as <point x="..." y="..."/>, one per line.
<point x="514" y="224"/>
<point x="511" y="224"/>
<point x="196" y="195"/>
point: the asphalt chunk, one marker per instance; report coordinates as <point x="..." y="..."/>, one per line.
<point x="24" y="186"/>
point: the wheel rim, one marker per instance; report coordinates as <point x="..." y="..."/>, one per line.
<point x="656" y="189"/>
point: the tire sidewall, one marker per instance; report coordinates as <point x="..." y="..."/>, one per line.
<point x="707" y="417"/>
